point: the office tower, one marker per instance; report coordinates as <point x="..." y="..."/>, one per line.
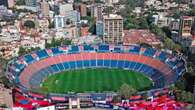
<point x="113" y="29"/>
<point x="186" y="26"/>
<point x="44" y="8"/>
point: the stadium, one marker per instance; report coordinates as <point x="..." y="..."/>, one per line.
<point x="60" y="73"/>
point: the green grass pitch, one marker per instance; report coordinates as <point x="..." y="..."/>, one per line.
<point x="94" y="80"/>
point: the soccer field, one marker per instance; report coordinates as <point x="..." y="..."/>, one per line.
<point x="94" y="80"/>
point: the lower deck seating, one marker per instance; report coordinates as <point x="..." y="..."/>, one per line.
<point x="39" y="76"/>
<point x="152" y="67"/>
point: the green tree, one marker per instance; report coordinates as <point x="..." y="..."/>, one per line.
<point x="145" y="45"/>
<point x="5" y="82"/>
<point x="29" y="24"/>
<point x="58" y="42"/>
<point x="126" y="91"/>
<point x="21" y="51"/>
<point x="143" y="23"/>
<point x="181" y="84"/>
<point x="116" y="99"/>
<point x="51" y="24"/>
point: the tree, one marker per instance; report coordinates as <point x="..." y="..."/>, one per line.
<point x="143" y="24"/>
<point x="116" y="99"/>
<point x="58" y="42"/>
<point x="29" y="24"/>
<point x="181" y="84"/>
<point x="68" y="21"/>
<point x="126" y="91"/>
<point x="51" y="24"/>
<point x="5" y="82"/>
<point x="66" y="42"/>
<point x="21" y="51"/>
<point x="145" y="45"/>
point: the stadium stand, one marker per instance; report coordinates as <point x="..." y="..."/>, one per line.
<point x="29" y="70"/>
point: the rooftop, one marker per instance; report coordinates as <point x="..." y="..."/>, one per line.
<point x="113" y="16"/>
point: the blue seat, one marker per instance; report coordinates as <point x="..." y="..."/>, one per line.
<point x="86" y="63"/>
<point x="113" y="63"/>
<point x="162" y="56"/>
<point x="19" y="66"/>
<point x="100" y="63"/>
<point x="126" y="64"/>
<point x="72" y="65"/>
<point x="74" y="49"/>
<point x="120" y="64"/>
<point x="106" y="63"/>
<point x="137" y="66"/>
<point x="56" y="51"/>
<point x="148" y="70"/>
<point x="42" y="54"/>
<point x="55" y="69"/>
<point x="88" y="48"/>
<point x="60" y="66"/>
<point x="66" y="65"/>
<point x="156" y="75"/>
<point x="172" y="63"/>
<point x="149" y="52"/>
<point x="134" y="49"/>
<point x="28" y="58"/>
<point x="103" y="48"/>
<point x="93" y="63"/>
<point x="142" y="68"/>
<point x="132" y="65"/>
<point x="117" y="49"/>
<point x="79" y="64"/>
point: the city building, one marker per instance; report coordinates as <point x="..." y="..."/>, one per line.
<point x="174" y="25"/>
<point x="31" y="3"/>
<point x="83" y="10"/>
<point x="43" y="23"/>
<point x="186" y="26"/>
<point x="99" y="28"/>
<point x="113" y="29"/>
<point x="70" y="17"/>
<point x="99" y="13"/>
<point x="11" y="3"/>
<point x="44" y="8"/>
<point x="160" y="19"/>
<point x="193" y="2"/>
<point x="96" y="11"/>
<point x="4" y="2"/>
<point x="3" y="11"/>
<point x="110" y="2"/>
<point x="65" y="8"/>
<point x="140" y="36"/>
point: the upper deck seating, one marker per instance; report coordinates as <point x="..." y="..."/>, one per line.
<point x="56" y="51"/>
<point x="103" y="48"/>
<point x="149" y="52"/>
<point x="42" y="54"/>
<point x="29" y="59"/>
<point x="134" y="49"/>
<point x="74" y="49"/>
